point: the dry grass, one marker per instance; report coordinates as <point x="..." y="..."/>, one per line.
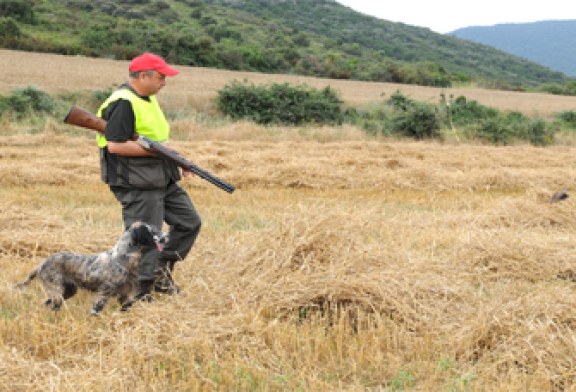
<point x="338" y="264"/>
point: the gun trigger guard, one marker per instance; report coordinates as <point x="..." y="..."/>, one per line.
<point x="143" y="143"/>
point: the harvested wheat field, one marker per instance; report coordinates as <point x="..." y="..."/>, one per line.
<point x="339" y="264"/>
<point x="334" y="266"/>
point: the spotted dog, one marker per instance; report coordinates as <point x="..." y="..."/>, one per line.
<point x="113" y="273"/>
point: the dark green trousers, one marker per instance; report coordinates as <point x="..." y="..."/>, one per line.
<point x="156" y="206"/>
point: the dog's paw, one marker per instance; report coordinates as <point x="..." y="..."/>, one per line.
<point x="126" y="306"/>
<point x="168" y="289"/>
<point x="146" y="298"/>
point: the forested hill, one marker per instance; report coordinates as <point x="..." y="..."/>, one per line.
<point x="307" y="37"/>
<point x="550" y="43"/>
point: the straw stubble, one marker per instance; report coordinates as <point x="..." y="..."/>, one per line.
<point x="341" y="265"/>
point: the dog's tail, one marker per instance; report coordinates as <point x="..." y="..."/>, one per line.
<point x="25" y="283"/>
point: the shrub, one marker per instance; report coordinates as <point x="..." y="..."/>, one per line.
<point x="3" y="104"/>
<point x="18" y="9"/>
<point x="418" y="121"/>
<point x="568" y="118"/>
<point x="158" y="6"/>
<point x="421" y="120"/>
<point x="568" y="88"/>
<point x="495" y="131"/>
<point x="9" y="29"/>
<point x="465" y="112"/>
<point x="219" y="32"/>
<point x="375" y="122"/>
<point x="28" y="100"/>
<point x="413" y="119"/>
<point x="425" y="74"/>
<point x="280" y="104"/>
<point x="399" y="101"/>
<point x="505" y="127"/>
<point x="538" y="134"/>
<point x="522" y="127"/>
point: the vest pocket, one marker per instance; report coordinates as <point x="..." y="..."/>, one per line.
<point x="146" y="173"/>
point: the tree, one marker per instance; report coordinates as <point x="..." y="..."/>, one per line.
<point x="20" y="10"/>
<point x="9" y="29"/>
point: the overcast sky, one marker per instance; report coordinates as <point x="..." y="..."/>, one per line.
<point x="444" y="16"/>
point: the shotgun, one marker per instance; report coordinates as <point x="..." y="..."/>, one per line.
<point x="82" y="118"/>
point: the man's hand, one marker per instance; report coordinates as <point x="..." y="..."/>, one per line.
<point x="128" y="148"/>
<point x="185" y="173"/>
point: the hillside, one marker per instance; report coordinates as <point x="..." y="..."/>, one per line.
<point x="304" y="37"/>
<point x="550" y="43"/>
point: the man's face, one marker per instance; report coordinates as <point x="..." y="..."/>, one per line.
<point x="152" y="81"/>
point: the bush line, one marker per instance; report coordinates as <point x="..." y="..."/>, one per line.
<point x="284" y="104"/>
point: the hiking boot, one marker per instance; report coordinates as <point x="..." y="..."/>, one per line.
<point x="163" y="281"/>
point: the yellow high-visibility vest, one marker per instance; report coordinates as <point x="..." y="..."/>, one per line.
<point x="149" y="118"/>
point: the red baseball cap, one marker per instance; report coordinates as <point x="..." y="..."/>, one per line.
<point x="149" y="61"/>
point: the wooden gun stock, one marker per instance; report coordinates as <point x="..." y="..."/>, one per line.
<point x="82" y="118"/>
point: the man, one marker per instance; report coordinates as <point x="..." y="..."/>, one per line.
<point x="147" y="186"/>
